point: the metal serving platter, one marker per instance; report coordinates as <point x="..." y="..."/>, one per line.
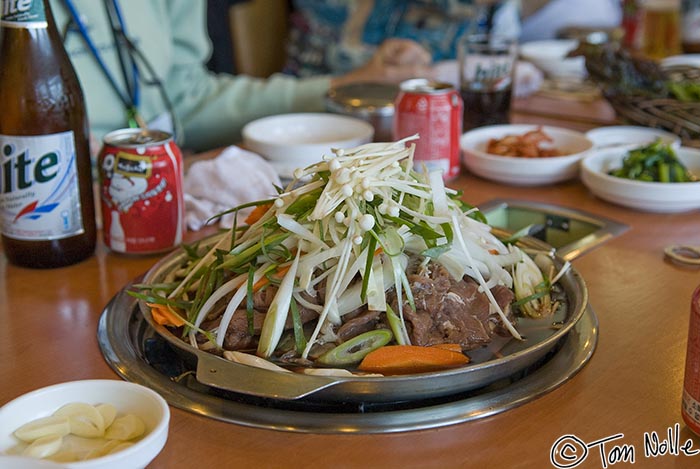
<point x="484" y="369"/>
<point x="138" y="354"/>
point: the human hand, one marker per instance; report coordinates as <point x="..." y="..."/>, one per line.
<point x="394" y="61"/>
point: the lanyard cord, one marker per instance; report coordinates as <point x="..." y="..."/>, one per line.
<point x="120" y="38"/>
<point x="155" y="81"/>
<point x="131" y="97"/>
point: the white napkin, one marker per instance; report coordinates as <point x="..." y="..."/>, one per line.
<point x="233" y="178"/>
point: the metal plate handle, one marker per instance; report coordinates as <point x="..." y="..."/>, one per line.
<point x="216" y="372"/>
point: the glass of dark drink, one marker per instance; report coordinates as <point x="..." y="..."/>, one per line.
<point x="486" y="73"/>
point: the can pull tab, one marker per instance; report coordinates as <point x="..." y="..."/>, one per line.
<point x="684" y="254"/>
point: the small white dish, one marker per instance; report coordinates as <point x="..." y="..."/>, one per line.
<point x="550" y="56"/>
<point x="128" y="398"/>
<point x="291" y="141"/>
<point x="624" y="135"/>
<point x="692" y="60"/>
<point x="659" y="197"/>
<point x="522" y="171"/>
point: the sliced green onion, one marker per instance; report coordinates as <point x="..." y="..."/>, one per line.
<point x="371" y="248"/>
<point x="397" y="327"/>
<point x="355" y="349"/>
<point x="249" y="304"/>
<point x="299" y="337"/>
<point x="276" y="316"/>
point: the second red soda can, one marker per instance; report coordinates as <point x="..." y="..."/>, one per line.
<point x="143" y="207"/>
<point x="433" y="110"/>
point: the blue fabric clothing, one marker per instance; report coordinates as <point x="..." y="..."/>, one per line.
<point x="336" y="36"/>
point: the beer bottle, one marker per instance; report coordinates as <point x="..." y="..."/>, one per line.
<point x="47" y="213"/>
<point x="690" y="17"/>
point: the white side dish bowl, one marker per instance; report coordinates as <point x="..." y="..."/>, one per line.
<point x="291" y="141"/>
<point x="128" y="398"/>
<point x="659" y="197"/>
<point x="621" y="135"/>
<point x="550" y="56"/>
<point x="522" y="171"/>
<point x="692" y="60"/>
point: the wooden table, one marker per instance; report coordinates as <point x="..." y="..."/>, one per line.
<point x="631" y="386"/>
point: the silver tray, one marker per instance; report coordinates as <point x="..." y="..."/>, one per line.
<point x="484" y="369"/>
<point x="138" y="354"/>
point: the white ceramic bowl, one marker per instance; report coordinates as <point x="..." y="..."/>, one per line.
<point x="291" y="141"/>
<point x="550" y="56"/>
<point x="657" y="197"/>
<point x="524" y="171"/>
<point x="128" y="398"/>
<point x="624" y="135"/>
<point x="692" y="60"/>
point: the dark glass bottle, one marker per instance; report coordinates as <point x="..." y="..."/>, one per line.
<point x="47" y="211"/>
<point x="690" y="14"/>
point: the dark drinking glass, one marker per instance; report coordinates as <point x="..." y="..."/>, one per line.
<point x="485" y="108"/>
<point x="487" y="63"/>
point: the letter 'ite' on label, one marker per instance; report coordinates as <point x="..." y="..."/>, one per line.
<point x="23" y="14"/>
<point x="39" y="194"/>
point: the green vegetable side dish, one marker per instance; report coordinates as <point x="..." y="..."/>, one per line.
<point x="656" y="162"/>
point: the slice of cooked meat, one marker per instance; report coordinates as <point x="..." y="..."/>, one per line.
<point x="237" y="334"/>
<point x="451" y="311"/>
<point x="363" y="322"/>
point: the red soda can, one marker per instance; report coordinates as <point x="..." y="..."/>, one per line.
<point x="143" y="208"/>
<point x="690" y="408"/>
<point x="433" y="110"/>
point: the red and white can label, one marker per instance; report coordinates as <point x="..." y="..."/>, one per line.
<point x="433" y="111"/>
<point x="142" y="198"/>
<point x="690" y="408"/>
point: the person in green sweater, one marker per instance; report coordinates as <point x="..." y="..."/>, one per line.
<point x="144" y="62"/>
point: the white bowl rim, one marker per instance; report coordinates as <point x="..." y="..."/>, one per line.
<point x="535" y="46"/>
<point x="364" y="128"/>
<point x="139" y="446"/>
<point x="592" y="134"/>
<point x="471" y="151"/>
<point x="615" y="153"/>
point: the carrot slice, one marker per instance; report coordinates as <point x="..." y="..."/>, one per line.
<point x="257" y="213"/>
<point x="453" y="347"/>
<point x="165" y="316"/>
<point x="408" y="359"/>
<point x="278" y="274"/>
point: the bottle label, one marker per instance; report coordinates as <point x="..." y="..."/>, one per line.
<point x="23" y="14"/>
<point x="39" y="193"/>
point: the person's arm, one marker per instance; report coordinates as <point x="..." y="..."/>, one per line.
<point x="214" y="108"/>
<point x="394" y="60"/>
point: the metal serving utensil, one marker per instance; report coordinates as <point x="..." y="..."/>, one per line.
<point x="684" y="254"/>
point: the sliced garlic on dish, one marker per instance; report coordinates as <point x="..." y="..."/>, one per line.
<point x="85" y="420"/>
<point x="43" y="447"/>
<point x="106" y="448"/>
<point x="63" y="456"/>
<point x="121" y="446"/>
<point x="46" y="426"/>
<point x="125" y="428"/>
<point x="108" y="412"/>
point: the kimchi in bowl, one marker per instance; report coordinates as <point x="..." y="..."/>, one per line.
<point x="523" y="154"/>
